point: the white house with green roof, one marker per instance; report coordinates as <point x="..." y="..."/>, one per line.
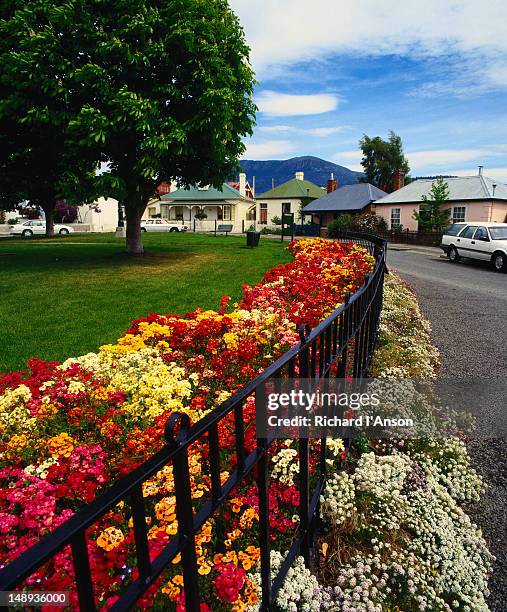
<point x="288" y="197"/>
<point x="226" y="206"/>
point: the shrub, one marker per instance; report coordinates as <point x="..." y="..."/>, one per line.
<point x="370" y="222"/>
<point x="340" y="224"/>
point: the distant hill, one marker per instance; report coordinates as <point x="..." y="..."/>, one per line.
<point x="316" y="170"/>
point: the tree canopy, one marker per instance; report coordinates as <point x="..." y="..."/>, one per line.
<point x="159" y="90"/>
<point x="381" y="159"/>
<point x="170" y="97"/>
<point x="39" y="160"/>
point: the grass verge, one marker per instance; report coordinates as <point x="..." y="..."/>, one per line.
<point x="66" y="296"/>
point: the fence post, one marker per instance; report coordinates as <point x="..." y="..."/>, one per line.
<point x="184" y="509"/>
<point x="304" y="492"/>
<point x="263" y="488"/>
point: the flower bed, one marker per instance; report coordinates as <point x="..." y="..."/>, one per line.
<point x="395" y="516"/>
<point x="396" y="534"/>
<point x="68" y="430"/>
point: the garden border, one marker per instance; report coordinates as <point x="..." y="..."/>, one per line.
<point x="345" y="339"/>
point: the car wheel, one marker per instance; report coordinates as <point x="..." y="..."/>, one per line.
<point x="143" y="229"/>
<point x="453" y="255"/>
<point x="499" y="261"/>
<point x="27" y="233"/>
<point x="63" y="231"/>
<point x="174" y="229"/>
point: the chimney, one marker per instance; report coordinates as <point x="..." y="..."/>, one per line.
<point x="480" y="170"/>
<point x="242" y="184"/>
<point x="398" y="179"/>
<point x="332" y="184"/>
<point x="300" y="176"/>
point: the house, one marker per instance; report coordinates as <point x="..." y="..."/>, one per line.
<point x="100" y="216"/>
<point x="226" y="205"/>
<point x="471" y="198"/>
<point x="288" y="197"/>
<point x="349" y="199"/>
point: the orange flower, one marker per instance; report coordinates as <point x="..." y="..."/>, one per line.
<point x="60" y="446"/>
<point x="47" y="410"/>
<point x="236" y="504"/>
<point x="110" y="538"/>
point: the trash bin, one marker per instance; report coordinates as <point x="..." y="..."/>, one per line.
<point x="252" y="239"/>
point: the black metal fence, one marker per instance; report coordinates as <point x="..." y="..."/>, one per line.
<point x="341" y="345"/>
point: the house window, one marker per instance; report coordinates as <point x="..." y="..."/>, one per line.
<point x="285" y="208"/>
<point x="459" y="214"/>
<point x="227" y="216"/>
<point x="395" y="217"/>
<point x="263" y="209"/>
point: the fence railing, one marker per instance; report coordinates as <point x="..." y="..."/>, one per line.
<point x="341" y="345"/>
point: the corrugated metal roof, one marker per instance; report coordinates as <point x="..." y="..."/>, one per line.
<point x="295" y="188"/>
<point x="460" y="188"/>
<point x="346" y="198"/>
<point x="204" y="195"/>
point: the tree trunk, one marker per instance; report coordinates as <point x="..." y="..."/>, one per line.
<point x="48" y="209"/>
<point x="134" y="238"/>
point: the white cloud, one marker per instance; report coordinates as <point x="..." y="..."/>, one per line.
<point x="446" y="159"/>
<point x="275" y="104"/>
<point x="284" y="32"/>
<point x="276" y="129"/>
<point x="350" y="159"/>
<point x="441" y="160"/>
<point x="269" y="149"/>
<point x="320" y="132"/>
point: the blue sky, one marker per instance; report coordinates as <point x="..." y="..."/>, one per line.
<point x="435" y="72"/>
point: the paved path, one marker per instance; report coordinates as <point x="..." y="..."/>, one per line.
<point x="467" y="306"/>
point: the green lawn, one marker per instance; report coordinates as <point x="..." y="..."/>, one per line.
<point x="67" y="296"/>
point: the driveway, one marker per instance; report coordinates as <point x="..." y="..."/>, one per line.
<point x="466" y="304"/>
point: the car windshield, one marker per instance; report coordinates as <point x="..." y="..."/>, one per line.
<point x="454" y="229"/>
<point x="498" y="233"/>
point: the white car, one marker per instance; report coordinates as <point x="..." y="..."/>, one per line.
<point x="477" y="240"/>
<point x="161" y="225"/>
<point x="37" y="228"/>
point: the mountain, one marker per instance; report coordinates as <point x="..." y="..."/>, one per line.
<point x="316" y="170"/>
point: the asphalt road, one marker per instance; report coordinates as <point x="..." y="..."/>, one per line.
<point x="466" y="304"/>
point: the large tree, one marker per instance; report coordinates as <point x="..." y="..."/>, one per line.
<point x="170" y="97"/>
<point x="381" y="159"/>
<point x="432" y="216"/>
<point x="40" y="161"/>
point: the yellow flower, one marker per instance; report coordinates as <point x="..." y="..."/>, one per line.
<point x="110" y="538"/>
<point x="248" y="517"/>
<point x="47" y="410"/>
<point x="204" y="567"/>
<point x="17" y="442"/>
<point x="236" y="504"/>
<point x="60" y="446"/>
<point x="231" y="341"/>
<point x="171" y="590"/>
<point x="100" y="394"/>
